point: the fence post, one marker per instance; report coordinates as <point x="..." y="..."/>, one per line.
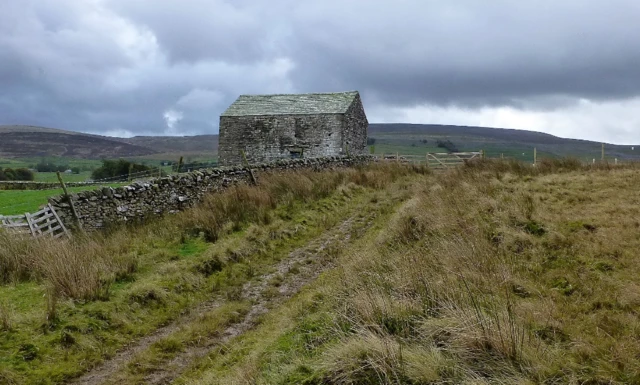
<point x="246" y="164"/>
<point x="397" y="157"/>
<point x="483" y="154"/>
<point x="602" y="156"/>
<point x="76" y="218"/>
<point x="179" y="166"/>
<point x="535" y="156"/>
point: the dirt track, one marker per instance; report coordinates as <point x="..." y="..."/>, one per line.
<point x="309" y="261"/>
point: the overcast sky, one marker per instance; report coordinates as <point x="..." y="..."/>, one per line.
<point x="170" y="67"/>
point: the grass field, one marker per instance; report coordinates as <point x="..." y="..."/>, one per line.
<point x="52" y="177"/>
<point x="497" y="272"/>
<point x="31" y="162"/>
<point x="91" y="164"/>
<point x="15" y="202"/>
<point x="77" y="303"/>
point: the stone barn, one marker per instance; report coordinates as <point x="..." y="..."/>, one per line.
<point x="272" y="127"/>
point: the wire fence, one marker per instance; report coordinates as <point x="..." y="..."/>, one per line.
<point x="131" y="176"/>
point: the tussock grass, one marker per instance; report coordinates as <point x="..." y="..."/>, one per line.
<point x="246" y="204"/>
<point x="482" y="276"/>
<point x="494" y="273"/>
<point x="544" y="166"/>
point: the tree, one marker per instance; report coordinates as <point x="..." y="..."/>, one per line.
<point x="371" y="141"/>
<point x="448" y="145"/>
<point x="51" y="167"/>
<point x="118" y="170"/>
<point x="10" y="174"/>
<point x="23" y="174"/>
<point x="17" y="174"/>
<point x="75" y="170"/>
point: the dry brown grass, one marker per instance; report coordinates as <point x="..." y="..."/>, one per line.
<point x="253" y="204"/>
<point x="497" y="273"/>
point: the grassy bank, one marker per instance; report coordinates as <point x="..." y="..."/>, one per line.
<point x="495" y="273"/>
<point x="66" y="306"/>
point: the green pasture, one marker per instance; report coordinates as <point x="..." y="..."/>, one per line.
<point x="92" y="164"/>
<point x="16" y="202"/>
<point x="51" y="177"/>
<point x="86" y="164"/>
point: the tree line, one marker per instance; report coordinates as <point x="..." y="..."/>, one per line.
<point x="52" y="167"/>
<point x="22" y="174"/>
<point x="119" y="170"/>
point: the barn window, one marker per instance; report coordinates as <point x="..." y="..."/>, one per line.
<point x="295" y="153"/>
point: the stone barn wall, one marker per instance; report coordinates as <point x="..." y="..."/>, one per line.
<point x="355" y="129"/>
<point x="101" y="208"/>
<point x="268" y="138"/>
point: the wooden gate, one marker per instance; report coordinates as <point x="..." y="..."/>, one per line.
<point x="42" y="223"/>
<point x="450" y="159"/>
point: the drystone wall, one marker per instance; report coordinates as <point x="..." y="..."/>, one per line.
<point x="138" y="202"/>
<point x="30" y="185"/>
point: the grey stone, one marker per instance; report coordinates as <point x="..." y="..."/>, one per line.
<point x="271" y="127"/>
<point x="95" y="212"/>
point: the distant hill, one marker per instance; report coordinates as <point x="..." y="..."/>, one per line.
<point x="29" y="142"/>
<point x="172" y="144"/>
<point x="422" y="138"/>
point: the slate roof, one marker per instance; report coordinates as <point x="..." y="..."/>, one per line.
<point x="291" y="104"/>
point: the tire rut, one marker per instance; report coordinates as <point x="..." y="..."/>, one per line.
<point x="310" y="260"/>
<point x="321" y="260"/>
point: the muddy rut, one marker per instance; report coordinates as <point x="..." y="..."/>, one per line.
<point x="300" y="267"/>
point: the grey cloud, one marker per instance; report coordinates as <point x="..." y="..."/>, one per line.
<point x="109" y="65"/>
<point x="203" y="29"/>
<point x="473" y="53"/>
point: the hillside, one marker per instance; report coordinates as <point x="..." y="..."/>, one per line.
<point x="409" y="138"/>
<point x="173" y="144"/>
<point x="28" y="142"/>
<point x="31" y="142"/>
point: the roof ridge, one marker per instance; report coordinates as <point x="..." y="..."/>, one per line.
<point x="306" y="93"/>
<point x="292" y="104"/>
